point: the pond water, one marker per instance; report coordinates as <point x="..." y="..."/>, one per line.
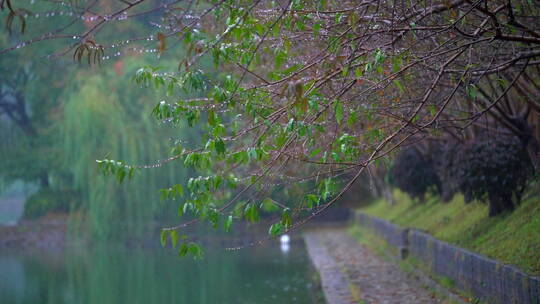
<point x="108" y="274"/>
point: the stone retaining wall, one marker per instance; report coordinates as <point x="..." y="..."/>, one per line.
<point x="392" y="234"/>
<point x="334" y="214"/>
<point x="484" y="278"/>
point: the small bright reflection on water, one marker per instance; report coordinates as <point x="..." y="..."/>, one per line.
<point x="285" y="247"/>
<point x="284" y="241"/>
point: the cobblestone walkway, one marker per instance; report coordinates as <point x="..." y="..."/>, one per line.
<point x="351" y="273"/>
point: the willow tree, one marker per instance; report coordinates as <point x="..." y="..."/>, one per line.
<point x="101" y="116"/>
<point x="315" y="91"/>
<point x="55" y="120"/>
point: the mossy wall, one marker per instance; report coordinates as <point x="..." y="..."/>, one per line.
<point x="484" y="278"/>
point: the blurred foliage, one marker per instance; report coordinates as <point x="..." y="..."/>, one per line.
<point x="494" y="169"/>
<point x="48" y="200"/>
<point x="104" y="115"/>
<point x="415" y="174"/>
<point x="74" y="115"/>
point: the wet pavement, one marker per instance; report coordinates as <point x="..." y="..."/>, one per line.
<point x="352" y="273"/>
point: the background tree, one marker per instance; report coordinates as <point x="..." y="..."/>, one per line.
<point x="57" y="119"/>
<point x="415" y="174"/>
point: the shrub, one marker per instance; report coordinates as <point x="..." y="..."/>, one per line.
<point x="414" y="173"/>
<point x="493" y="170"/>
<point x="48" y="200"/>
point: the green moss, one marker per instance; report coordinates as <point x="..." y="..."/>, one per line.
<point x="355" y="293"/>
<point x="512" y="238"/>
<point x="377" y="245"/>
<point x="447" y="283"/>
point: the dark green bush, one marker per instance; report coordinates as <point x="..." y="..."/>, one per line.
<point x="415" y="174"/>
<point x="492" y="170"/>
<point x="495" y="170"/>
<point x="48" y="200"/>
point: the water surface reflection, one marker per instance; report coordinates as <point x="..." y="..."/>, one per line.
<point x="112" y="274"/>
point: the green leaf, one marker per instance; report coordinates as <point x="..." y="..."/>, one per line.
<point x="212" y="118"/>
<point x="269" y="205"/>
<point x="281" y="139"/>
<point x="315" y="152"/>
<point x="178" y="190"/>
<point x="472" y="91"/>
<point x="345" y="71"/>
<point x="218" y="130"/>
<point x="379" y="56"/>
<point x="275" y="229"/>
<point x="163" y="238"/>
<point x="219" y="146"/>
<point x="313" y="104"/>
<point x="399" y="85"/>
<point x="302" y="129"/>
<point x="316" y="29"/>
<point x="312" y="200"/>
<point x="286" y="219"/>
<point x="228" y="223"/>
<point x="174" y="237"/>
<point x="339" y="111"/>
<point x="358" y="72"/>
<point x="183" y="250"/>
<point x="251" y="213"/>
<point x="131" y="172"/>
<point x="187" y="207"/>
<point x="280" y="58"/>
<point x="397" y="62"/>
<point x="213" y="216"/>
<point x="180" y="210"/>
<point x="170" y="88"/>
<point x="163" y="194"/>
<point x="291" y="125"/>
<point x="353" y="118"/>
<point x="195" y="250"/>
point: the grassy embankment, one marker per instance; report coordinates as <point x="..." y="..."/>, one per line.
<point x="512" y="238"/>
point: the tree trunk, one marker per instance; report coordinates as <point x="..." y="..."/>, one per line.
<point x="44" y="180"/>
<point x="500" y="203"/>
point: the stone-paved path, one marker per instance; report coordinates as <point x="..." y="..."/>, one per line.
<point x="351" y="273"/>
